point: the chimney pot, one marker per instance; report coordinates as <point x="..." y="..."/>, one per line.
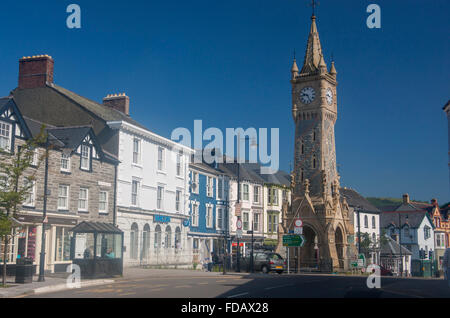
<point x="35" y="71"/>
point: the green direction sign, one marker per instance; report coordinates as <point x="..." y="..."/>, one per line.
<point x="293" y="240"/>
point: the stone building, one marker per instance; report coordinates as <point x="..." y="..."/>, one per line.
<point x="316" y="196"/>
<point x="81" y="184"/>
<point x="153" y="172"/>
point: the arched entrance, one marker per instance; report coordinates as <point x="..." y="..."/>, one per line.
<point x="339" y="242"/>
<point x="309" y="254"/>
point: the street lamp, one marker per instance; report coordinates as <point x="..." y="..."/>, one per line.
<point x="44" y="221"/>
<point x="359" y="230"/>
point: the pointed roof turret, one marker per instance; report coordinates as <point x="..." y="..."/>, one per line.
<point x="294" y="69"/>
<point x="333" y="69"/>
<point x="313" y="56"/>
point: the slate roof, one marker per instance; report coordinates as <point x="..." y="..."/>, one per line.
<point x="52" y="100"/>
<point x="203" y="167"/>
<point x="99" y="227"/>
<point x="391" y="247"/>
<point x="414" y="218"/>
<point x="354" y="199"/>
<point x="70" y="136"/>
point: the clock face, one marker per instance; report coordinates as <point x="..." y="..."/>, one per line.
<point x="329" y="96"/>
<point x="307" y="95"/>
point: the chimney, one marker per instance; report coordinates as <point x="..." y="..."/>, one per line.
<point x="35" y="71"/>
<point x="406" y="198"/>
<point x="120" y="102"/>
<point x="434" y="202"/>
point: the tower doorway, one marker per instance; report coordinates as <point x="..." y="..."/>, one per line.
<point x="339" y="242"/>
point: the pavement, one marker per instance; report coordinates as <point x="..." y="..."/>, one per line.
<point x="156" y="283"/>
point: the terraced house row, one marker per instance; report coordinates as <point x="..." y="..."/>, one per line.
<point x="106" y="170"/>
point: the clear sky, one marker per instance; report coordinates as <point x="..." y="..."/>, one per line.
<point x="228" y="62"/>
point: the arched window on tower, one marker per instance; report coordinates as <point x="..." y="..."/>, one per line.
<point x="302" y="174"/>
<point x="303" y="147"/>
<point x="314" y="162"/>
<point x="314" y="135"/>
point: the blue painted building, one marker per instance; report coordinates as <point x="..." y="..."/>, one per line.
<point x="208" y="203"/>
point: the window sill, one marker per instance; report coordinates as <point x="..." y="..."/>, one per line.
<point x="161" y="172"/>
<point x="137" y="165"/>
<point x="63" y="210"/>
<point x="103" y="213"/>
<point x="83" y="211"/>
<point x="66" y="171"/>
<point x="29" y="206"/>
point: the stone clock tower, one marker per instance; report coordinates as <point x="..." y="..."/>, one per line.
<point x="316" y="199"/>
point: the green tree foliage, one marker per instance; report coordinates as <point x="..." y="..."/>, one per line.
<point x="16" y="181"/>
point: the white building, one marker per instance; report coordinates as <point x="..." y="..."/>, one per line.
<point x="152" y="197"/>
<point x="369" y="220"/>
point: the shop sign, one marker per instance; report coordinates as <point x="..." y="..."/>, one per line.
<point x="161" y="219"/>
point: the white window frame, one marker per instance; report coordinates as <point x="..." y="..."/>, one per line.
<point x="104" y="211"/>
<point x="30" y="200"/>
<point x="195" y="181"/>
<point x="220" y="217"/>
<point x="5" y="128"/>
<point x="135" y="194"/>
<point x="161" y="161"/>
<point x="61" y="207"/>
<point x="87" y="159"/>
<point x="220" y="189"/>
<point x="245" y="220"/>
<point x="178" y="195"/>
<point x="35" y="159"/>
<point x="256" y="194"/>
<point x="194" y="214"/>
<point x="209" y="215"/>
<point x="209" y="186"/>
<point x="136" y="152"/>
<point x="86" y="199"/>
<point x="179" y="164"/>
<point x="160" y="199"/>
<point x="258" y="224"/>
<point x="245" y="194"/>
<point x="65" y="159"/>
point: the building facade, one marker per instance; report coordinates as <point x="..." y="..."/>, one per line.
<point x="81" y="183"/>
<point x="153" y="197"/>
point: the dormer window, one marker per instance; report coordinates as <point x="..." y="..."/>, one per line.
<point x="85" y="157"/>
<point x="5" y="136"/>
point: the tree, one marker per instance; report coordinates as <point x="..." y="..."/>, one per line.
<point x="16" y="181"/>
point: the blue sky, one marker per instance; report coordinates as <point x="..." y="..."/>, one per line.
<point x="228" y="64"/>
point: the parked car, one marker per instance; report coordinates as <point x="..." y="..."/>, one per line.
<point x="263" y="261"/>
<point x="385" y="272"/>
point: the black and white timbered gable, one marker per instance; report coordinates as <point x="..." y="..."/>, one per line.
<point x="12" y="125"/>
<point x="80" y="141"/>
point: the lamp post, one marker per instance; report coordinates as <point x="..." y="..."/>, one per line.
<point x="359" y="230"/>
<point x="44" y="221"/>
<point x="400" y="242"/>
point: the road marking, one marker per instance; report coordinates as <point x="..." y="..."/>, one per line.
<point x="183" y="286"/>
<point x="237" y="295"/>
<point x="127" y="294"/>
<point x="288" y="285"/>
<point x="221" y="281"/>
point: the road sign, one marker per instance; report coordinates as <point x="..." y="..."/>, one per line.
<point x="237" y="209"/>
<point x="239" y="233"/>
<point x="45" y="220"/>
<point x="298" y="230"/>
<point x="293" y="240"/>
<point x="298" y="223"/>
<point x="239" y="224"/>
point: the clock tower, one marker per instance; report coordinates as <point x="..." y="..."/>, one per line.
<point x="316" y="199"/>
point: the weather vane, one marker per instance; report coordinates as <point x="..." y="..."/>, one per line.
<point x="314" y="4"/>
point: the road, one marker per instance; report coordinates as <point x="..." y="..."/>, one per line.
<point x="186" y="284"/>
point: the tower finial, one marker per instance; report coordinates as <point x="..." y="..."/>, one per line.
<point x="314" y="4"/>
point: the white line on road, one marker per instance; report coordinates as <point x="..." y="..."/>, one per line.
<point x="288" y="285"/>
<point x="237" y="295"/>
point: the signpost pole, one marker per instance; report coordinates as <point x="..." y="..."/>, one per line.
<point x="287" y="247"/>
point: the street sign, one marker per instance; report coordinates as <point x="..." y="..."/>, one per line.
<point x="298" y="230"/>
<point x="293" y="240"/>
<point x="239" y="233"/>
<point x="239" y="224"/>
<point x="298" y="223"/>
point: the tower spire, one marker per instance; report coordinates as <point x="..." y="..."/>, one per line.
<point x="313" y="56"/>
